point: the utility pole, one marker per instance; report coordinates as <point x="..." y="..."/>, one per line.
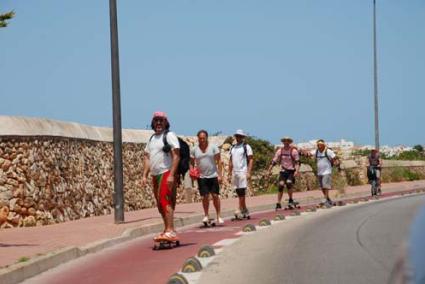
<point x="375" y="78"/>
<point x="118" y="199"/>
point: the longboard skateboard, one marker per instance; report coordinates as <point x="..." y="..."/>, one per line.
<point x="240" y="217"/>
<point x="209" y="223"/>
<point x="292" y="207"/>
<point x="165" y="244"/>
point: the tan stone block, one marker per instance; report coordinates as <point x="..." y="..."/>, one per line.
<point x="4" y="212"/>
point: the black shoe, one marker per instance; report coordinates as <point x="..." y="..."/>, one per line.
<point x="278" y="206"/>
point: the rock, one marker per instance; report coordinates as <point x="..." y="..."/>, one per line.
<point x="29" y="221"/>
<point x="5" y="194"/>
<point x="6" y="165"/>
<point x="12" y="182"/>
<point x="4" y="212"/>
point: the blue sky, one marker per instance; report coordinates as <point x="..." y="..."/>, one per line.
<point x="301" y="68"/>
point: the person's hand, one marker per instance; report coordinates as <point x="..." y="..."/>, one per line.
<point x="144" y="181"/>
<point x="170" y="181"/>
<point x="220" y="179"/>
<point x="248" y="176"/>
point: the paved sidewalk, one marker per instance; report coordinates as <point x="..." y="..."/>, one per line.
<point x="48" y="246"/>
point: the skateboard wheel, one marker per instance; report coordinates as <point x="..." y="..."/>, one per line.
<point x="249" y="228"/>
<point x="192" y="264"/>
<point x="177" y="279"/>
<point x="206" y="251"/>
<point x="264" y="222"/>
<point x="279" y="217"/>
<point x="296" y="213"/>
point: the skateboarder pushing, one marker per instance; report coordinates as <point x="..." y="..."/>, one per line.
<point x="289" y="160"/>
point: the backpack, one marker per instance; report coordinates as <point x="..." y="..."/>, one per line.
<point x="326" y="155"/>
<point x="184" y="161"/>
<point x="292" y="156"/>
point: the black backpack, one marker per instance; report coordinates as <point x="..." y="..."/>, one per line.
<point x="183" y="166"/>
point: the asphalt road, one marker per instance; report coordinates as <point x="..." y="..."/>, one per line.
<point x="355" y="244"/>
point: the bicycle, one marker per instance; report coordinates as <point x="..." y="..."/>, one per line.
<point x="373" y="180"/>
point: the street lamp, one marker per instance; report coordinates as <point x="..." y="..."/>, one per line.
<point x="375" y="78"/>
<point x="116" y="110"/>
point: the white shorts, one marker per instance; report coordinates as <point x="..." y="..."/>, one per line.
<point x="239" y="180"/>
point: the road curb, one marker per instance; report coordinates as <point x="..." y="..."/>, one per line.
<point x="18" y="272"/>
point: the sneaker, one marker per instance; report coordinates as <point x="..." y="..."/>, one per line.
<point x="245" y="213"/>
<point x="329" y="202"/>
<point x="278" y="206"/>
<point x="170" y="236"/>
<point x="220" y="221"/>
<point x="206" y="219"/>
<point x="293" y="202"/>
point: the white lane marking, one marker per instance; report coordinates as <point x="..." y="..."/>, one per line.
<point x="225" y="242"/>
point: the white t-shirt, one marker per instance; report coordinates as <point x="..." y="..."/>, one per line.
<point x="160" y="162"/>
<point x="206" y="161"/>
<point x="324" y="166"/>
<point x="239" y="159"/>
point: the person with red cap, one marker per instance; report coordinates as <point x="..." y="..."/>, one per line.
<point x="162" y="155"/>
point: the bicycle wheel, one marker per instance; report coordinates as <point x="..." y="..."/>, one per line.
<point x="374" y="188"/>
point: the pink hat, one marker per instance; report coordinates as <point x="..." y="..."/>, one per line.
<point x="160" y="114"/>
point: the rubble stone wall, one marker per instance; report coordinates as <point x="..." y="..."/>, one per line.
<point x="68" y="175"/>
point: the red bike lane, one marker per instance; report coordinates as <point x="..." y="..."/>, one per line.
<point x="137" y="262"/>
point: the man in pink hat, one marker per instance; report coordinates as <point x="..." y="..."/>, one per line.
<point x="161" y="161"/>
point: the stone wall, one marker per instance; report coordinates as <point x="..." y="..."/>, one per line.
<point x="54" y="172"/>
<point x="44" y="180"/>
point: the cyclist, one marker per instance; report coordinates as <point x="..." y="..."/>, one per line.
<point x="374" y="169"/>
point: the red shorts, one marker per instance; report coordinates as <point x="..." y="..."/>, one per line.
<point x="165" y="194"/>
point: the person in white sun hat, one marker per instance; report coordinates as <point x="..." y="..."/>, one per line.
<point x="240" y="168"/>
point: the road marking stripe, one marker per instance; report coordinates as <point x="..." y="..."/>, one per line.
<point x="225" y="242"/>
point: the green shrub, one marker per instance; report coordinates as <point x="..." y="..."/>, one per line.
<point x="352" y="177"/>
<point x="263" y="152"/>
<point x="400" y="174"/>
<point x="419" y="148"/>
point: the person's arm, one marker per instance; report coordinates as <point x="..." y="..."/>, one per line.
<point x="192" y="163"/>
<point x="273" y="162"/>
<point x="250" y="164"/>
<point x="230" y="168"/>
<point x="146" y="169"/>
<point x="175" y="154"/>
<point x="297" y="163"/>
<point x="217" y="159"/>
